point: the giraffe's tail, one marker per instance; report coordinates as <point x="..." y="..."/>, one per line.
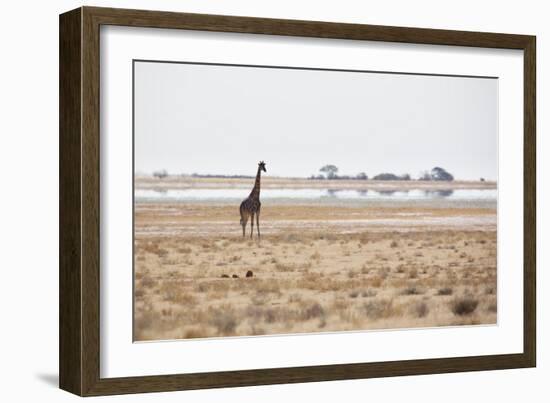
<point x="241" y="213"/>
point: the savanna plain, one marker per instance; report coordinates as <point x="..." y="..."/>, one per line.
<point x="321" y="265"/>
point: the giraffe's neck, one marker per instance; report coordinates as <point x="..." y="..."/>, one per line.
<point x="255" y="194"/>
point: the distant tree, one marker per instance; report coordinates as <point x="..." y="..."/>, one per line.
<point x="405" y="177"/>
<point x="160" y="174"/>
<point x="482" y="179"/>
<point x="362" y="176"/>
<point x="425" y="176"/>
<point x="330" y="171"/>
<point x="436" y="174"/>
<point x="386" y="177"/>
<point x="439" y="174"/>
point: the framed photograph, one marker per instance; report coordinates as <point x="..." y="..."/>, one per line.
<point x="249" y="201"/>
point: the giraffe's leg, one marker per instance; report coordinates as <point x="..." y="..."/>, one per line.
<point x="244" y="221"/>
<point x="244" y="218"/>
<point x="251" y="224"/>
<point x="258" y="222"/>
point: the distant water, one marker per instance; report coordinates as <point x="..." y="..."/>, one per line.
<point x="476" y="196"/>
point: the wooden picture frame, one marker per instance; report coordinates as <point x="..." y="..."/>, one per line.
<point x="79" y="280"/>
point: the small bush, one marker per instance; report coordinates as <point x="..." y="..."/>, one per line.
<point x="313" y="311"/>
<point x="412" y="291"/>
<point x="420" y="309"/>
<point x="445" y="291"/>
<point x="464" y="306"/>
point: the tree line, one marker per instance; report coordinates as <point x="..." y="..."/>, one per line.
<point x="330" y="172"/>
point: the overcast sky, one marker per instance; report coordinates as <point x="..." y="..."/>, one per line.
<point x="224" y="119"/>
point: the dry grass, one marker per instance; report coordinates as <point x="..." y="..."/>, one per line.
<point x="381" y="308"/>
<point x="225" y="322"/>
<point x="310" y="281"/>
<point x="368" y="293"/>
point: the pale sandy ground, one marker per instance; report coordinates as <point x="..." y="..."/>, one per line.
<point x="316" y="268"/>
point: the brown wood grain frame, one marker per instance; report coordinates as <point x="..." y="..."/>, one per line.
<point x="79" y="319"/>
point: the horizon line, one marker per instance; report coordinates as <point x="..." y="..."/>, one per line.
<point x="310" y="177"/>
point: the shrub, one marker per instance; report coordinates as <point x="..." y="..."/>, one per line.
<point x="412" y="291"/>
<point x="464" y="306"/>
<point x="445" y="291"/>
<point x="420" y="309"/>
<point x="313" y="311"/>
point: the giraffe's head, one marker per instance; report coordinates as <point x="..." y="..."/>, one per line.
<point x="261" y="164"/>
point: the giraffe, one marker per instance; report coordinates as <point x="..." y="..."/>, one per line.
<point x="251" y="205"/>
